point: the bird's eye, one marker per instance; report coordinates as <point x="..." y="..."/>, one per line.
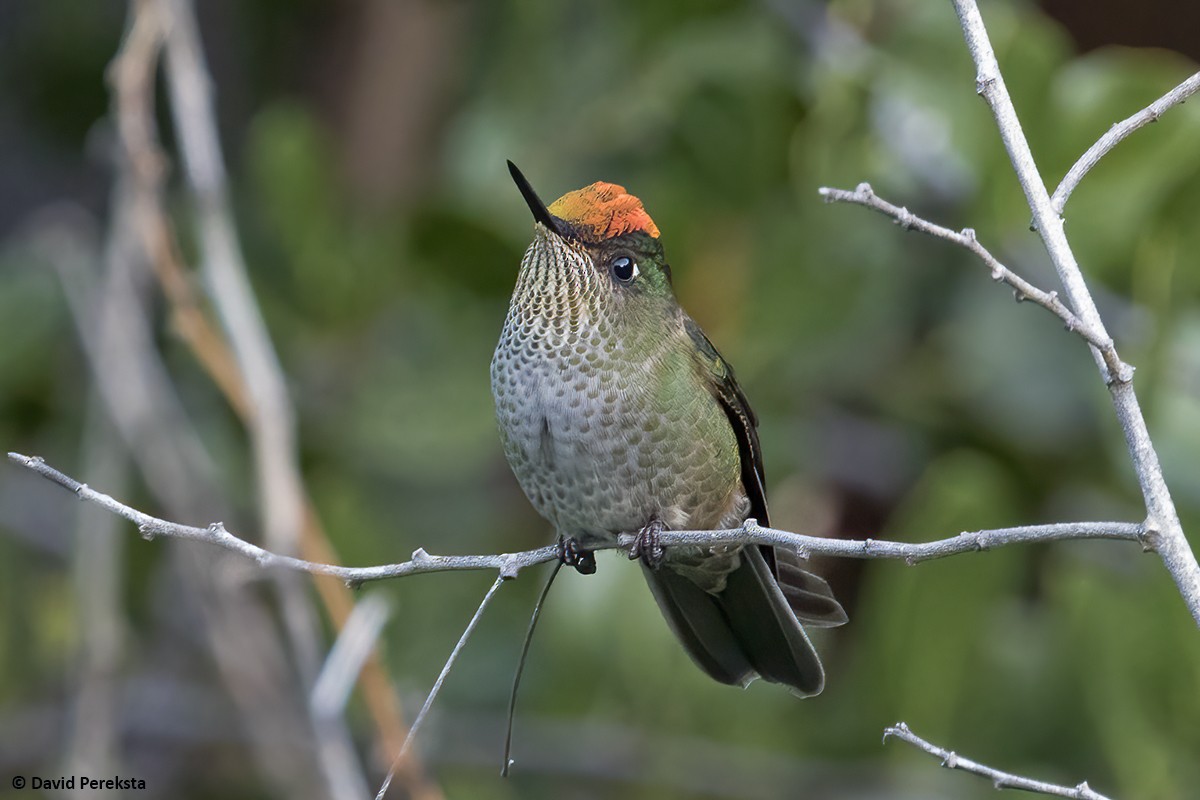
<point x="624" y="268"/>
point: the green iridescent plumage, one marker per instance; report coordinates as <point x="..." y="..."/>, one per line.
<point x="617" y="414"/>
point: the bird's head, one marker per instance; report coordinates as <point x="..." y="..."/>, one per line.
<point x="597" y="242"/>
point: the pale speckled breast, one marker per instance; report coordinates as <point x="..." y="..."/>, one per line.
<point x="607" y="428"/>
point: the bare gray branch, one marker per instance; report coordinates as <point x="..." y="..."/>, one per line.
<point x="999" y="779"/>
<point x="437" y="685"/>
<point x="864" y="195"/>
<point x="1164" y="533"/>
<point x="1117" y="134"/>
<point x="509" y="564"/>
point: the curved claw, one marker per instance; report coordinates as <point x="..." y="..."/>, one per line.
<point x="646" y="545"/>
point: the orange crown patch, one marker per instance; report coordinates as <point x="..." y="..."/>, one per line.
<point x="602" y="211"/>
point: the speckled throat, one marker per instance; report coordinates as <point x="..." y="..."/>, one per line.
<point x="603" y="413"/>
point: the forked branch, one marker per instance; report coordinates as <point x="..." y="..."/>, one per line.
<point x="864" y="195"/>
<point x="1164" y="532"/>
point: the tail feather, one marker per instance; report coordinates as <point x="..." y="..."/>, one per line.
<point x="749" y="629"/>
<point x="809" y="595"/>
<point x="701" y="626"/>
<point x="763" y="621"/>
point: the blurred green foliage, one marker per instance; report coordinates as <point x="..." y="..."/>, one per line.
<point x="902" y="394"/>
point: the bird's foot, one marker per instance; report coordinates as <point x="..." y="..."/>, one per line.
<point x="572" y="554"/>
<point x="646" y="545"/>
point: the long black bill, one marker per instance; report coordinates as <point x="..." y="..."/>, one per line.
<point x="540" y="212"/>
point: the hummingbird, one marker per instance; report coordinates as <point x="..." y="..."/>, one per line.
<point x="618" y="415"/>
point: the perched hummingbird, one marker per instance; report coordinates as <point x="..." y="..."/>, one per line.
<point x="619" y="416"/>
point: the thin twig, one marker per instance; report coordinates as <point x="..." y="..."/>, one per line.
<point x="509" y="564"/>
<point x="1117" y="134"/>
<point x="437" y="685"/>
<point x="506" y="761"/>
<point x="1164" y="533"/>
<point x="999" y="779"/>
<point x="864" y="195"/>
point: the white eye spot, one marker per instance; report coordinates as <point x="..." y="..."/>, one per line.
<point x="624" y="269"/>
